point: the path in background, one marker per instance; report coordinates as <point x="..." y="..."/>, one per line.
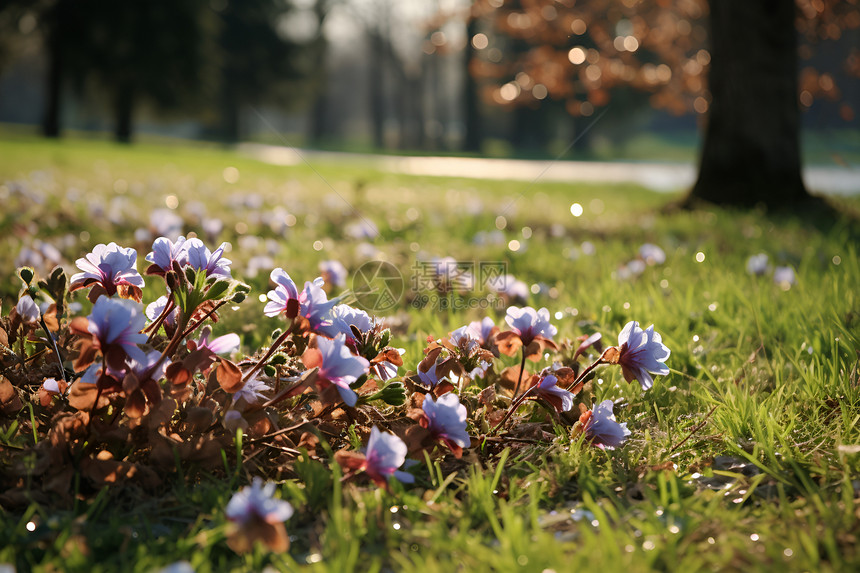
<point x="657" y="176"/>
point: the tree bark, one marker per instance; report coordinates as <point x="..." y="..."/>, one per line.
<point x="231" y="125"/>
<point x="471" y="104"/>
<point x="751" y="153"/>
<point x="124" y="110"/>
<point x="55" y="44"/>
<point x="53" y="99"/>
<point x="376" y="97"/>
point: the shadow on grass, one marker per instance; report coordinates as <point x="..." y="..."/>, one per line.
<point x="824" y="214"/>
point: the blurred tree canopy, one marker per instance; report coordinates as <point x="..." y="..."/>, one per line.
<point x="256" y="60"/>
<point x="170" y="55"/>
<point x="160" y="53"/>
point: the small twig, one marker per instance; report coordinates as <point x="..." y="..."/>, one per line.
<point x="520" y="377"/>
<point x="284" y="449"/>
<point x="54" y="346"/>
<point x="168" y="308"/>
<point x="283" y="394"/>
<point x="262" y="362"/>
<point x="95" y="405"/>
<point x="513" y="408"/>
<point x="329" y="409"/>
<point x="695" y="429"/>
<point x="581" y="378"/>
<point x="277" y="433"/>
<point x="209" y="313"/>
<point x="509" y="439"/>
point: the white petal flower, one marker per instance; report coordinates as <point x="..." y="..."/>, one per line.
<point x="447" y="418"/>
<point x="642" y="353"/>
<point x="257" y="501"/>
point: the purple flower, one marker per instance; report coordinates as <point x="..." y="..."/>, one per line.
<point x="285" y="291"/>
<point x="151" y="360"/>
<point x="547" y="389"/>
<point x="257" y="502"/>
<point x="166" y="222"/>
<point x="116" y="324"/>
<point x="464" y="337"/>
<point x="200" y="258"/>
<point x="509" y="286"/>
<point x="315" y="306"/>
<point x="91" y="375"/>
<point x="641" y="353"/>
<point x="784" y="277"/>
<point x="338" y="366"/>
<point x="345" y="316"/>
<point x="212" y="228"/>
<point x="251" y="391"/>
<point x="363" y="229"/>
<point x="155" y="308"/>
<point x="165" y="252"/>
<point x="112" y="267"/>
<point x="385" y="370"/>
<point x="483" y="330"/>
<point x="446" y="419"/>
<point x="757" y="264"/>
<point x="43" y="256"/>
<point x="652" y="254"/>
<point x="313" y="303"/>
<point x="334" y="272"/>
<point x="429" y="378"/>
<point x="221" y="345"/>
<point x="51" y="385"/>
<point x="529" y="323"/>
<point x="27" y="309"/>
<point x="601" y="428"/>
<point x="385" y="453"/>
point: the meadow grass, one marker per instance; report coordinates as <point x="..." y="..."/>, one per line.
<point x="745" y="457"/>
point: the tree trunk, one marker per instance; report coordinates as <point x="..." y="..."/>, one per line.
<point x="124" y="110"/>
<point x="471" y="104"/>
<point x="51" y="121"/>
<point x="376" y="76"/>
<point x="751" y="153"/>
<point x="55" y="44"/>
<point x="582" y="142"/>
<point x="318" y="121"/>
<point x="231" y="128"/>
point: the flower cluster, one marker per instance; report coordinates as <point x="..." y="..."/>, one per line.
<point x="158" y="382"/>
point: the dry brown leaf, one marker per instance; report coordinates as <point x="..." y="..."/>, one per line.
<point x="82" y="396"/>
<point x="229" y="376"/>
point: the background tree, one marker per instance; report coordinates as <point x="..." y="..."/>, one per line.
<point x="588" y="54"/>
<point x="257" y="59"/>
<point x="540" y="54"/>
<point x="751" y="152"/>
<point x="319" y="128"/>
<point x="58" y="24"/>
<point x="158" y="53"/>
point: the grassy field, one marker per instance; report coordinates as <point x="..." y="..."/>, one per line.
<point x="745" y="457"/>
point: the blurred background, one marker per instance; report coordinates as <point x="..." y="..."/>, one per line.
<point x="604" y="79"/>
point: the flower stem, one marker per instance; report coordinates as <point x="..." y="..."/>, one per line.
<point x="513" y="408"/>
<point x="54" y="346"/>
<point x="272" y="349"/>
<point x="93" y="409"/>
<point x="171" y="346"/>
<point x="209" y="313"/>
<point x="520" y="377"/>
<point x="283" y="393"/>
<point x="168" y="308"/>
<point x="579" y="379"/>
